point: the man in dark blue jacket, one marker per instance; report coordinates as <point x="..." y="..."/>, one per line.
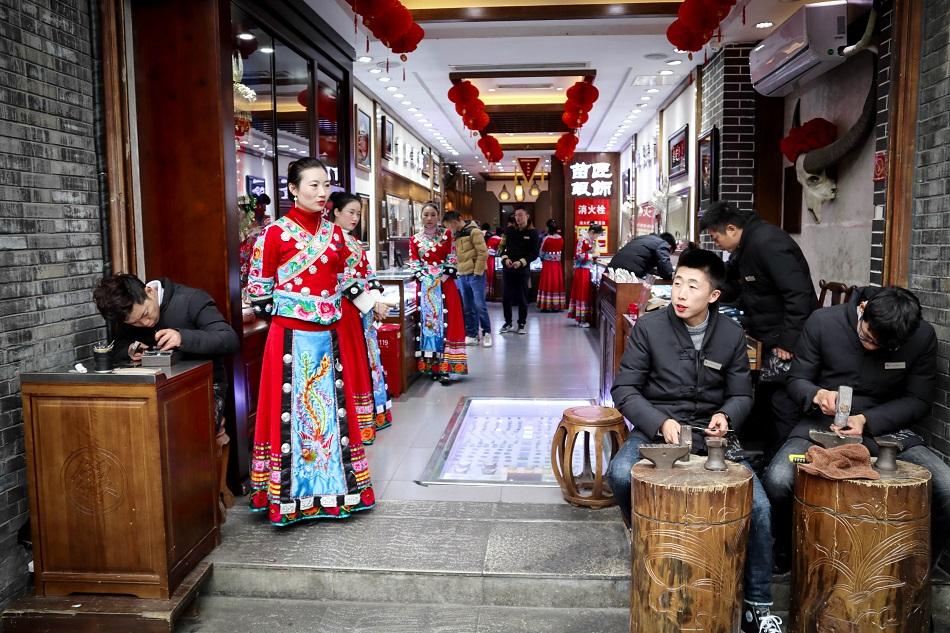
<point x="646" y="254"/>
<point x="686" y="370"/>
<point x="879" y="345"/>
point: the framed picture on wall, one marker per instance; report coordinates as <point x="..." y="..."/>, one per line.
<point x="364" y="140"/>
<point x="362" y="229"/>
<point x="626" y="185"/>
<point x="707" y="167"/>
<point x="678" y="152"/>
<point x="426" y="165"/>
<point x="387" y="140"/>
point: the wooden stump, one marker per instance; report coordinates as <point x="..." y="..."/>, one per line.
<point x="688" y="547"/>
<point x="589" y="488"/>
<point x="862" y="553"/>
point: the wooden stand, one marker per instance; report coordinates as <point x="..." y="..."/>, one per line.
<point x="862" y="553"/>
<point x="122" y="479"/>
<point x="601" y="423"/>
<point x="688" y="547"/>
<point x="106" y="614"/>
<point x="612" y="302"/>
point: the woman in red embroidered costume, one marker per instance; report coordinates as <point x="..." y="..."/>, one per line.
<point x="581" y="288"/>
<point x="551" y="285"/>
<point x="308" y="460"/>
<point x="347" y="212"/>
<point x="441" y="349"/>
<point x="493" y="243"/>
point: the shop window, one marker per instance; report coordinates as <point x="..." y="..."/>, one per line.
<point x="292" y="86"/>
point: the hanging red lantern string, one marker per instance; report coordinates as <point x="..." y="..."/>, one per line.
<point x="391" y="23"/>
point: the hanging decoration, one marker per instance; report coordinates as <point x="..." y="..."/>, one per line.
<point x="812" y="134"/>
<point x="566" y="144"/>
<point x="391" y="23"/>
<point x="491" y="148"/>
<point x="580" y="99"/>
<point x="697" y="22"/>
<point x="464" y="95"/>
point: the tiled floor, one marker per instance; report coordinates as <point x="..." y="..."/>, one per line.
<point x="555" y="359"/>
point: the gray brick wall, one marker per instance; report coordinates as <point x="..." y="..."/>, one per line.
<point x="50" y="244"/>
<point x="930" y="232"/>
<point x="885" y="33"/>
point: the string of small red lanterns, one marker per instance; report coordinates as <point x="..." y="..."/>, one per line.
<point x="391" y="23"/>
<point x="580" y="99"/>
<point x="464" y="95"/>
<point x="696" y="23"/>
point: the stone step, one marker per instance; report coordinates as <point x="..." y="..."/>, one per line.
<point x="245" y="615"/>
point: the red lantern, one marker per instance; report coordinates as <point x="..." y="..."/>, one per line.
<point x="584" y="94"/>
<point x="393" y="24"/>
<point x="684" y="37"/>
<point x="409" y="41"/>
<point x="698" y="17"/>
<point x="467" y="91"/>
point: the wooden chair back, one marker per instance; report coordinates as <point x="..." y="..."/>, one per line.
<point x="838" y="291"/>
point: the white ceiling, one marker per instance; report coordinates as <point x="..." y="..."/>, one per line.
<point x="615" y="48"/>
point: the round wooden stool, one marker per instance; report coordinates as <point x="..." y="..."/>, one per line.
<point x="861" y="556"/>
<point x="689" y="528"/>
<point x="602" y="423"/>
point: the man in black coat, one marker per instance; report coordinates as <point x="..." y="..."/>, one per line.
<point x="646" y="254"/>
<point x="521" y="247"/>
<point x="686" y="370"/>
<point x="878" y="345"/>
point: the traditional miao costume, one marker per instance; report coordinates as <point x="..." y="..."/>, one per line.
<point x="382" y="403"/>
<point x="551" y="285"/>
<point x="441" y="347"/>
<point x="308" y="460"/>
<point x="580" y="307"/>
<point x="492" y="243"/>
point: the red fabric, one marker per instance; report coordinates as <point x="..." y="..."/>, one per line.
<point x="551" y="284"/>
<point x="580" y="296"/>
<point x="493" y="243"/>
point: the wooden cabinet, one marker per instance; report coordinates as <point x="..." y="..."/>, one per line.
<point x="122" y="484"/>
<point x="612" y="302"/>
<point x="252" y="359"/>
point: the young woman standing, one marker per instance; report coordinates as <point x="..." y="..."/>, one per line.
<point x="581" y="288"/>
<point x="551" y="285"/>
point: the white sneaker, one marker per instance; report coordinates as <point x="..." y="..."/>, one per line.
<point x="486" y="340"/>
<point x="584" y="324"/>
<point x="471" y="340"/>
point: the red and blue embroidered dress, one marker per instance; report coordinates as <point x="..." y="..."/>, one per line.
<point x="308" y="460"/>
<point x="580" y="307"/>
<point x="441" y="347"/>
<point x="382" y="403"/>
<point x="551" y="284"/>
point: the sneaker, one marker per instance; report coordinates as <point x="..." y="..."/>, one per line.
<point x="505" y="329"/>
<point x="471" y="340"/>
<point x="583" y="324"/>
<point x="486" y="340"/>
<point x="760" y="620"/>
<point x="522" y="329"/>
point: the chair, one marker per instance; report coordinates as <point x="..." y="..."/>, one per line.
<point x="839" y="292"/>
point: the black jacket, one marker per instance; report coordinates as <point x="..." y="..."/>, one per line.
<point x="205" y="333"/>
<point x="642" y="255"/>
<point x="662" y="376"/>
<point x="893" y="390"/>
<point x="768" y="279"/>
<point x="521" y="244"/>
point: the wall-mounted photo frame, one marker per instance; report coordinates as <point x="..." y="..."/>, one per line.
<point x="426" y="167"/>
<point x="707" y="167"/>
<point x="678" y="153"/>
<point x="625" y="184"/>
<point x="364" y="140"/>
<point x="362" y="229"/>
<point x="388" y="139"/>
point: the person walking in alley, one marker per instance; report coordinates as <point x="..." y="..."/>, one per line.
<point x="521" y="247"/>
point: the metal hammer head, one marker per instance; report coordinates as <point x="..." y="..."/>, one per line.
<point x="664" y="455"/>
<point x="827" y="439"/>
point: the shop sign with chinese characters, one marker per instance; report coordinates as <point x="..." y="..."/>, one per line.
<point x="591" y="180"/>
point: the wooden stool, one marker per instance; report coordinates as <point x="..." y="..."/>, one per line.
<point x="861" y="557"/>
<point x="688" y="547"/>
<point x="601" y="423"/>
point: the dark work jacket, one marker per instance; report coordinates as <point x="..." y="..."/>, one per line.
<point x="642" y="255"/>
<point x="205" y="333"/>
<point x="768" y="279"/>
<point x="893" y="390"/>
<point x="663" y="376"/>
<point x="521" y="244"/>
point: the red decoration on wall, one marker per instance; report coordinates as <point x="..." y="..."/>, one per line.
<point x="810" y="135"/>
<point x="880" y="166"/>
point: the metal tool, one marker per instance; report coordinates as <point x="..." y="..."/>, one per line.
<point x="157" y="358"/>
<point x="664" y="455"/>
<point x="715" y="453"/>
<point x="887" y="455"/>
<point x="827" y="439"/>
<point x="843" y="410"/>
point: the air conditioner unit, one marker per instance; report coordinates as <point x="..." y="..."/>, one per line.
<point x="803" y="47"/>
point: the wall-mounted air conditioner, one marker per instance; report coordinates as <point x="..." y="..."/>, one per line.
<point x="803" y="47"/>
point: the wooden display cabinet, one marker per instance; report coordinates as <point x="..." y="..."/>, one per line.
<point x="612" y="301"/>
<point x="122" y="483"/>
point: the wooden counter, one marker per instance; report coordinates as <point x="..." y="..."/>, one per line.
<point x="122" y="483"/>
<point x="612" y="302"/>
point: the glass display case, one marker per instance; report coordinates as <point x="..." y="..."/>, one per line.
<point x="401" y="290"/>
<point x="397" y="334"/>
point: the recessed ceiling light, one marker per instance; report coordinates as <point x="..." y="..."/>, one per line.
<point x="406" y="102"/>
<point x="245" y="36"/>
<point x="384" y="79"/>
<point x="392" y="88"/>
<point x="653" y="90"/>
<point x="491" y="90"/>
<point x="550" y="133"/>
<point x="363" y="59"/>
<point x="559" y="88"/>
<point x="266" y="50"/>
<point x="665" y="72"/>
<point x="676" y="50"/>
<point x="413" y="109"/>
<point x="375" y="71"/>
<point x="418" y="115"/>
<point x="283" y="146"/>
<point x="674" y="62"/>
<point x="628" y="119"/>
<point x="398" y="95"/>
<point x="623" y="127"/>
<point x="423" y="120"/>
<point x="426" y="125"/>
<point x="454" y="153"/>
<point x="645" y="98"/>
<point x="764" y="24"/>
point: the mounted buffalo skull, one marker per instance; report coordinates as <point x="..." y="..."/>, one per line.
<point x="810" y="167"/>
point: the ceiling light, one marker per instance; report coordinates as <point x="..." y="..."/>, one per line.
<point x="764" y="25"/>
<point x="628" y="119"/>
<point x="384" y="79"/>
<point x="676" y="50"/>
<point x="392" y="88"/>
<point x="550" y="133"/>
<point x="413" y="109"/>
<point x="519" y="192"/>
<point x="423" y="120"/>
<point x="454" y="153"/>
<point x="653" y="90"/>
<point x="427" y="125"/>
<point x="534" y="190"/>
<point x="245" y="36"/>
<point x="674" y="62"/>
<point x="375" y="71"/>
<point x="491" y="90"/>
<point x="398" y="95"/>
<point x="559" y="88"/>
<point x="666" y="72"/>
<point x="418" y="115"/>
<point x="645" y="98"/>
<point x="623" y="127"/>
<point x="283" y="146"/>
<point x="504" y="195"/>
<point x="406" y="102"/>
<point x="266" y="50"/>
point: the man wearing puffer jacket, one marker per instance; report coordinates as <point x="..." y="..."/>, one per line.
<point x="472" y="254"/>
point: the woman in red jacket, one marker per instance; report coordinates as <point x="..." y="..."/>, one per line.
<point x="581" y="288"/>
<point x="551" y="285"/>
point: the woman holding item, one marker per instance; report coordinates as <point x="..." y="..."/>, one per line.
<point x="581" y="288"/>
